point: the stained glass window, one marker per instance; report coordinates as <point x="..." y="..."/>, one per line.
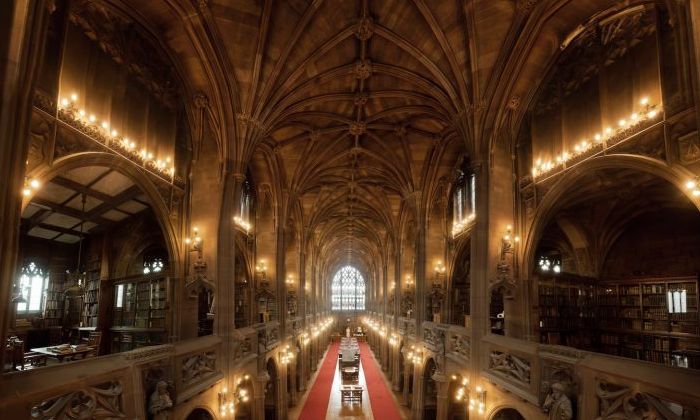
<point x="348" y="290"/>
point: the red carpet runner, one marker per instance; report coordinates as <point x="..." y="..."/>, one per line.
<point x="316" y="404"/>
<point x="383" y="405"/>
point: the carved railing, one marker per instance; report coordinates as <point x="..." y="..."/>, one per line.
<point x="268" y="336"/>
<point x="114" y="386"/>
<point x="600" y="386"/>
<point x="458" y="344"/>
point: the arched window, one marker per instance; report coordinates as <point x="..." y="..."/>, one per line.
<point x="33" y="283"/>
<point x="463" y="199"/>
<point x="348" y="290"/>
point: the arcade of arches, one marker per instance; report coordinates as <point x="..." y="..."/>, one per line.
<point x="499" y="200"/>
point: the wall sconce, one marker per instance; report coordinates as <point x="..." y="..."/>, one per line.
<point x="261" y="270"/>
<point x="286" y="355"/>
<point x="30" y="187"/>
<point x="415" y="355"/>
<point x="305" y="339"/>
<point x="508" y="236"/>
<point x="479" y="402"/>
<point x="693" y="185"/>
<point x="289" y="281"/>
<point x="194" y="242"/>
<point x="439" y="267"/>
<point x="409" y="281"/>
<point x="462" y="393"/>
<point x="226" y="403"/>
<point x="394" y="340"/>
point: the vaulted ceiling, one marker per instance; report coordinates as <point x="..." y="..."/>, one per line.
<point x="359" y="110"/>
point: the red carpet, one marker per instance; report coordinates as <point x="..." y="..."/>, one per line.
<point x="316" y="404"/>
<point x="383" y="405"/>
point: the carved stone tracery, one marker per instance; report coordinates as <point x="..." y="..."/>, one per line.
<point x="98" y="401"/>
<point x="197" y="367"/>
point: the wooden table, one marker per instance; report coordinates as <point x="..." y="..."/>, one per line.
<point x="350" y="374"/>
<point x="351" y="393"/>
<point x="64" y="355"/>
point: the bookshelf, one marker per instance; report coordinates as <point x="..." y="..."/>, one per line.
<point x="651" y="319"/>
<point x="647" y="326"/>
<point x="140" y="312"/>
<point x="92" y="294"/>
<point x="566" y="310"/>
<point x="53" y="306"/>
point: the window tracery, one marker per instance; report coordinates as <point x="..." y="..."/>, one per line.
<point x="348" y="290"/>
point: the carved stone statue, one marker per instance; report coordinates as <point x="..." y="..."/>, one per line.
<point x="159" y="404"/>
<point x="557" y="404"/>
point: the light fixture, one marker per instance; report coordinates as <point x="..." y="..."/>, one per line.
<point x="693" y="186"/>
<point x="547" y="265"/>
<point x="101" y="133"/>
<point x="460" y="226"/>
<point x="30" y="186"/>
<point x="647" y="113"/>
<point x="242" y="223"/>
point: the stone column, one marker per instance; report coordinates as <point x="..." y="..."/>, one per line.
<point x="258" y="407"/>
<point x="418" y="393"/>
<point x="23" y="32"/>
<point x="443" y="399"/>
<point x="396" y="371"/>
<point x="408" y="366"/>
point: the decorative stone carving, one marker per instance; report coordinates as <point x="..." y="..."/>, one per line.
<point x="504" y="269"/>
<point x="461" y="346"/>
<point x="198" y="280"/>
<point x="123" y="40"/>
<point x="362" y="69"/>
<point x="407" y="304"/>
<point x="436" y="297"/>
<point x="510" y="366"/>
<point x="44" y="101"/>
<point x="160" y="403"/>
<point x="364" y="29"/>
<point x="557" y="405"/>
<point x="357" y="128"/>
<point x="197" y="367"/>
<point x="100" y="401"/>
<point x="689" y="148"/>
<point x="361" y="98"/>
<point x="620" y="402"/>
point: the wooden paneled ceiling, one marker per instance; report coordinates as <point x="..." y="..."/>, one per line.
<point x="56" y="211"/>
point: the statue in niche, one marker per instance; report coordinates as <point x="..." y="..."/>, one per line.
<point x="557" y="405"/>
<point x="160" y="403"/>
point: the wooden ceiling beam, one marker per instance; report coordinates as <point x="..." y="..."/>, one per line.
<point x="59" y="208"/>
<point x="76" y="186"/>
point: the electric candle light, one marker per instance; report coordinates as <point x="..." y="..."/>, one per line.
<point x="101" y="132"/>
<point x="650" y="112"/>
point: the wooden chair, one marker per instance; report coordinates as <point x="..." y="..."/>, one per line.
<point x="94" y="341"/>
<point x="25" y="361"/>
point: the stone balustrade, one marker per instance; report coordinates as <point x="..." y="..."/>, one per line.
<point x="113" y="386"/>
<point x="602" y="386"/>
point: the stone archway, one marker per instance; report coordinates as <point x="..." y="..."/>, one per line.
<point x="272" y="391"/>
<point x="200" y="414"/>
<point x="430" y="390"/>
<point x="507" y="414"/>
<point x="551" y="203"/>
